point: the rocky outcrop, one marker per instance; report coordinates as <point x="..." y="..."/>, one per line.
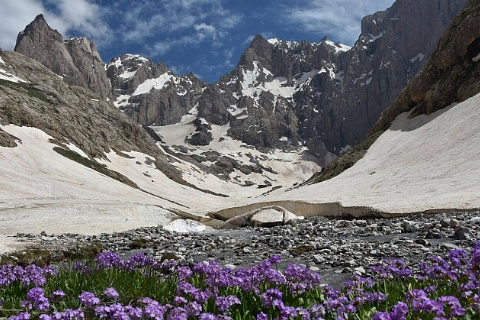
<point x="450" y="76"/>
<point x="76" y="61"/>
<point x="74" y="115"/>
<point x="325" y="96"/>
<point x="336" y="93"/>
<point x="150" y="93"/>
<point x="69" y="114"/>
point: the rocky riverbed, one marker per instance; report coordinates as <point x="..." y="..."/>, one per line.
<point x="335" y="248"/>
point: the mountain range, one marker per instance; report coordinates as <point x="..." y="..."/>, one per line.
<point x="175" y="145"/>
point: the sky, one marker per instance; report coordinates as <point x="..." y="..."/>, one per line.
<point x="206" y="37"/>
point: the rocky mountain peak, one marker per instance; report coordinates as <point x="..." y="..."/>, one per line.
<point x="150" y="92"/>
<point x="372" y="23"/>
<point x="86" y="45"/>
<point x="76" y="61"/>
<point x="37" y="31"/>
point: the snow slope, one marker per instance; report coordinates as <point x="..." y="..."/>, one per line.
<point x="41" y="190"/>
<point x="428" y="162"/>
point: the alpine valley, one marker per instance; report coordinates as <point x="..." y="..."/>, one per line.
<point x="90" y="147"/>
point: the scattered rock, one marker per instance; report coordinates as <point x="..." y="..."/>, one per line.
<point x="463" y="233"/>
<point x="315" y="242"/>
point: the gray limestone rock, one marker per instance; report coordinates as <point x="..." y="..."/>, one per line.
<point x="76" y="61"/>
<point x="161" y="106"/>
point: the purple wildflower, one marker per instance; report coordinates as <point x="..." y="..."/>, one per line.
<point x="37" y="298"/>
<point x="102" y="312"/>
<point x="207" y="316"/>
<point x="69" y="314"/>
<point x="261" y="316"/>
<point x="184" y="273"/>
<point x="57" y="296"/>
<point x="317" y="310"/>
<point x="89" y="299"/>
<point x="381" y="316"/>
<point x="399" y="311"/>
<point x="111" y="293"/>
<point x="269" y="296"/>
<point x="193" y="309"/>
<point x="153" y="310"/>
<point x="20" y="316"/>
<point x="107" y="260"/>
<point x="177" y="313"/>
<point x="224" y="303"/>
<point x="456" y="309"/>
<point x="179" y="300"/>
<point x="134" y="313"/>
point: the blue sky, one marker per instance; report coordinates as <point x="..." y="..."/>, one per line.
<point x="206" y="37"/>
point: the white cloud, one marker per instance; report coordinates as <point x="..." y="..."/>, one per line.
<point x="64" y="15"/>
<point x="339" y="19"/>
<point x="177" y="23"/>
<point x="14" y="16"/>
<point x="248" y="40"/>
<point x="162" y="47"/>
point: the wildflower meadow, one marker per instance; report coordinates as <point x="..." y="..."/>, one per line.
<point x="109" y="287"/>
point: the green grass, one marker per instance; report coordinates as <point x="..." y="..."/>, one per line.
<point x="26" y="88"/>
<point x="174" y="288"/>
<point x="42" y="257"/>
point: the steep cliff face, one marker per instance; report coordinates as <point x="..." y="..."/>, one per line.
<point x="150" y="93"/>
<point x="36" y="97"/>
<point x="335" y="93"/>
<point x="325" y="95"/>
<point x="393" y="47"/>
<point x="450" y="76"/>
<point x="76" y="61"/>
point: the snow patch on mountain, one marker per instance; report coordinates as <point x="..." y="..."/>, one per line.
<point x="4" y="75"/>
<point x="155" y="83"/>
<point x="52" y="184"/>
<point x="130" y="71"/>
<point x="338" y="47"/>
<point x="122" y="100"/>
<point x="253" y="87"/>
<point x="287" y="167"/>
<point x="418" y="57"/>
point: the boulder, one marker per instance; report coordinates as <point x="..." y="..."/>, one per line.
<point x="267" y="217"/>
<point x="264" y="217"/>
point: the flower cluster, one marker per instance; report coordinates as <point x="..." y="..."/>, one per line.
<point x="31" y="274"/>
<point x="443" y="288"/>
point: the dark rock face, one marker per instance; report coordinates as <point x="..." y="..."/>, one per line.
<point x="69" y="114"/>
<point x="336" y="94"/>
<point x="450" y="76"/>
<point x="77" y="61"/>
<point x="323" y="95"/>
<point x="202" y="135"/>
<point x="150" y="93"/>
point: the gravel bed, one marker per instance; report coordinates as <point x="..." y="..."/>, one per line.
<point x="334" y="248"/>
